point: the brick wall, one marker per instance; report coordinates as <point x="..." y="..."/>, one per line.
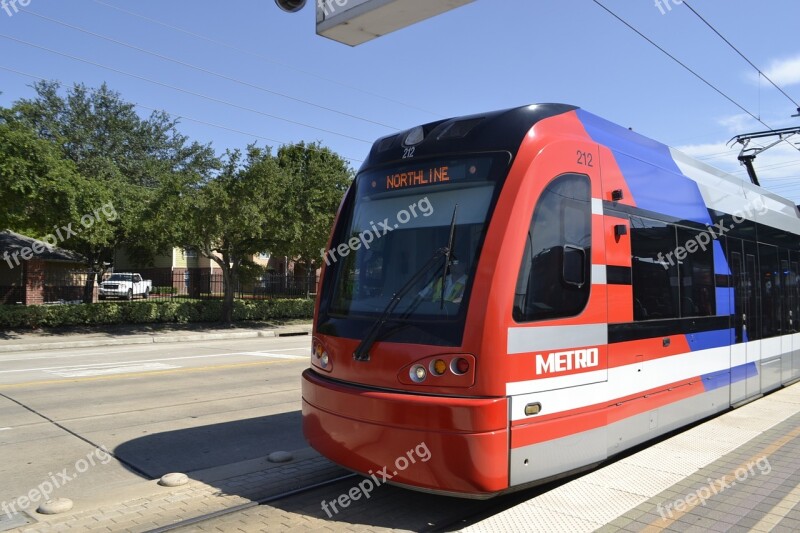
<point x="34" y="274"/>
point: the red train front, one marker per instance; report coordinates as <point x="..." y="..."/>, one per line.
<point x="406" y="346"/>
<point x="498" y="305"/>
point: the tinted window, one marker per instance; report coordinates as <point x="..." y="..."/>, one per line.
<point x="656" y="287"/>
<point x="770" y="284"/>
<point x="554" y="278"/>
<point x="696" y="269"/>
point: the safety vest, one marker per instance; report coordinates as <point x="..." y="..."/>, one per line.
<point x="452" y="293"/>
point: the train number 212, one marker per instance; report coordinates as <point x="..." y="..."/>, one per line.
<point x="585" y="159"/>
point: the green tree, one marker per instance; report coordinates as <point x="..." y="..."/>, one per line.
<point x="38" y="187"/>
<point x="316" y="179"/>
<point x="126" y="159"/>
<point x="228" y="218"/>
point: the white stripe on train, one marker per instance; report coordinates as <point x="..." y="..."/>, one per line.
<point x="564" y="393"/>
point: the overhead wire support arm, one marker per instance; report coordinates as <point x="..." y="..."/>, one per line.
<point x="748" y="154"/>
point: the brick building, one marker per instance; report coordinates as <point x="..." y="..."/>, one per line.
<point x="33" y="272"/>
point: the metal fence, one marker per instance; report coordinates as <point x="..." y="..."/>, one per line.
<point x="69" y="287"/>
<point x="204" y="285"/>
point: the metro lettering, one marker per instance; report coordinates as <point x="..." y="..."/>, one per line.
<point x="567" y="360"/>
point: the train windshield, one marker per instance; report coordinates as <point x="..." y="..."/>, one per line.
<point x="400" y="221"/>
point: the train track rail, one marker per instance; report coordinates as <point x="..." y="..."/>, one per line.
<point x="255" y="503"/>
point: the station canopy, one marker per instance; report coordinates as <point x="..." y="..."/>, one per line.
<point x="354" y="22"/>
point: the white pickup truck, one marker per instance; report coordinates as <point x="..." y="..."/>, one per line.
<point x="125" y="285"/>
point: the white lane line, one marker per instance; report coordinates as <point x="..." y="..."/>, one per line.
<point x="184" y="358"/>
<point x="79" y="372"/>
<point x="273" y="355"/>
<point x="4" y="429"/>
<point x="82" y="352"/>
<point x="64" y="356"/>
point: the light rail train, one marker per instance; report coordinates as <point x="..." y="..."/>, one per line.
<point x="528" y="292"/>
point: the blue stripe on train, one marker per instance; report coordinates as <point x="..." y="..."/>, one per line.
<point x="720" y="262"/>
<point x="652" y="175"/>
<point x="715" y="380"/>
<point x="710" y="339"/>
<point x="724" y="301"/>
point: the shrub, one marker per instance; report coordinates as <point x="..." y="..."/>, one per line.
<point x="149" y="312"/>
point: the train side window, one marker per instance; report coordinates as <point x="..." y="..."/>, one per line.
<point x="794" y="290"/>
<point x="770" y="291"/>
<point x="555" y="275"/>
<point x="696" y="271"/>
<point x="656" y="281"/>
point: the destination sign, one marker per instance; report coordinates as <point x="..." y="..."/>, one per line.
<point x="413" y="178"/>
<point x="437" y="173"/>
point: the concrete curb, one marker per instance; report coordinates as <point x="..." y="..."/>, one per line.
<point x="156" y="338"/>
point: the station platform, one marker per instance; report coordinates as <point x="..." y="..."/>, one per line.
<point x="737" y="472"/>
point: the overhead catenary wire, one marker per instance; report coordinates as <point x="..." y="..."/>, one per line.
<point x="206" y="71"/>
<point x="707" y="23"/>
<point x="182" y="90"/>
<point x="266" y="59"/>
<point x="190" y="119"/>
<point x="686" y="67"/>
<point x="679" y="62"/>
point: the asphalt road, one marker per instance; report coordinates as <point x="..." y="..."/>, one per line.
<point x="156" y="408"/>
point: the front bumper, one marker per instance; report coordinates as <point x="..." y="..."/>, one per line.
<point x="369" y="431"/>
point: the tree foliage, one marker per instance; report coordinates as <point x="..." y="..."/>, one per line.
<point x="315" y="182"/>
<point x="258" y="203"/>
<point x="119" y="157"/>
<point x="69" y="153"/>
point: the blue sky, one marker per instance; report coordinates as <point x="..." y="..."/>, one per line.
<point x="491" y="54"/>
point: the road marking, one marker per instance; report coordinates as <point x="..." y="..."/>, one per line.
<point x="273" y="355"/>
<point x="84" y="372"/>
<point x="184" y="358"/>
<point x="4" y="429"/>
<point x="142" y="374"/>
<point x="57" y="355"/>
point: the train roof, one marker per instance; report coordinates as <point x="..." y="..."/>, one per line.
<point x="650" y="168"/>
<point x="682" y="186"/>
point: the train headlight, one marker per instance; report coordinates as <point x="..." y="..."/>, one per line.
<point x="438" y="367"/>
<point x="441" y="370"/>
<point x="418" y="373"/>
<point x="319" y="356"/>
<point x="459" y="366"/>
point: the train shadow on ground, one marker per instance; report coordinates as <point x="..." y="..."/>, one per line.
<point x="200" y="448"/>
<point x="199" y="451"/>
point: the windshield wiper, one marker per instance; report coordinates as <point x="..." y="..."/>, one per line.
<point x="449" y="254"/>
<point x="362" y="350"/>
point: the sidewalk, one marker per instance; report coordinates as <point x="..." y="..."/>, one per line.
<point x="736" y="472"/>
<point x="147" y="505"/>
<point x="25" y="341"/>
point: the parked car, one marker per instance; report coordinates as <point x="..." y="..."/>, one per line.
<point x="125" y="285"/>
